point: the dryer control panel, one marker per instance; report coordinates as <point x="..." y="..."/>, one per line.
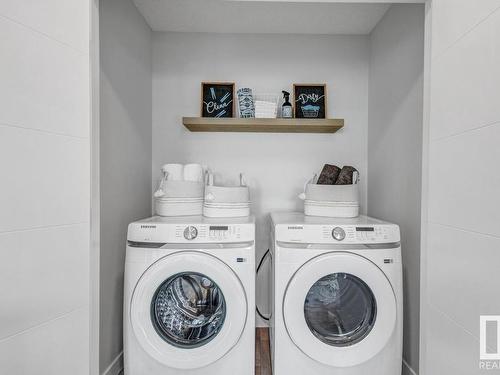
<point x="338" y="234"/>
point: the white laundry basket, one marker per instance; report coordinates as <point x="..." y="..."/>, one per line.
<point x="178" y="206"/>
<point x="335" y="209"/>
<point x="331" y="200"/>
<point x="178" y="198"/>
<point x="226" y="201"/>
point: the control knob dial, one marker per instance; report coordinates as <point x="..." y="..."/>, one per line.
<point x="190" y="233"/>
<point x="338" y="233"/>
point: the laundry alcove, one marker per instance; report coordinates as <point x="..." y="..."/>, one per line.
<point x="154" y="56"/>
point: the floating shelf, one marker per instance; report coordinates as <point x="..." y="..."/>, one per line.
<point x="262" y="125"/>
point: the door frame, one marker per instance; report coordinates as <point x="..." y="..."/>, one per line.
<point x="95" y="222"/>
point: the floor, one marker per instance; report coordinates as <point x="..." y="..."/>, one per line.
<point x="262" y="353"/>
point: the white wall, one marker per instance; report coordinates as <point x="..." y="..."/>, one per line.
<point x="276" y="165"/>
<point x="463" y="223"/>
<point x="45" y="200"/>
<point x="395" y="146"/>
<point x="125" y="154"/>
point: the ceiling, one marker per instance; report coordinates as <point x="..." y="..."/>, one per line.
<point x="226" y="16"/>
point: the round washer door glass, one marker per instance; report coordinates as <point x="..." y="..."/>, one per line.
<point x="188" y="310"/>
<point x="340" y="309"/>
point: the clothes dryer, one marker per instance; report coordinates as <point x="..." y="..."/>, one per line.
<point x="337" y="296"/>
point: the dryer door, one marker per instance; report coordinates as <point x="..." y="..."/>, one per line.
<point x="340" y="309"/>
<point x="188" y="310"/>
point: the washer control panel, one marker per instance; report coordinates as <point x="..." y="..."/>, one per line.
<point x="223" y="232"/>
<point x="211" y="233"/>
<point x="197" y="231"/>
<point x="371" y="233"/>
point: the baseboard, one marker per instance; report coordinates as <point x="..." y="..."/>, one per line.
<point x="407" y="370"/>
<point x="116" y="366"/>
<point x="260" y="323"/>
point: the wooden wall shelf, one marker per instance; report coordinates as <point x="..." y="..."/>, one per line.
<point x="262" y="125"/>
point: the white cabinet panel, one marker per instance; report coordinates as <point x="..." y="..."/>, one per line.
<point x="465" y="82"/>
<point x="463" y="235"/>
<point x="63" y="20"/>
<point x="43" y="274"/>
<point x="453" y="18"/>
<point x="463" y="181"/>
<point x="463" y="274"/>
<point x="45" y="179"/>
<point x="59" y="347"/>
<point x="450" y="350"/>
<point x="45" y="85"/>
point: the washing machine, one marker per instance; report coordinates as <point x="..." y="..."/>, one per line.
<point x="189" y="296"/>
<point x="337" y="303"/>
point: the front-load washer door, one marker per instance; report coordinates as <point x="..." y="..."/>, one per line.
<point x="188" y="310"/>
<point x="339" y="309"/>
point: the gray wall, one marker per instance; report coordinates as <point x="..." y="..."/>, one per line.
<point x="277" y="165"/>
<point x="45" y="191"/>
<point x="462" y="256"/>
<point x="395" y="146"/>
<point x="125" y="152"/>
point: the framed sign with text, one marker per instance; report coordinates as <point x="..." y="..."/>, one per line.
<point x="217" y="99"/>
<point x="309" y="100"/>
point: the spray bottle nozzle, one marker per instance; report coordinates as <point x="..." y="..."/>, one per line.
<point x="286" y="96"/>
<point x="287" y="106"/>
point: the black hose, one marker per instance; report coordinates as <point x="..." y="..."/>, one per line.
<point x="257" y="274"/>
